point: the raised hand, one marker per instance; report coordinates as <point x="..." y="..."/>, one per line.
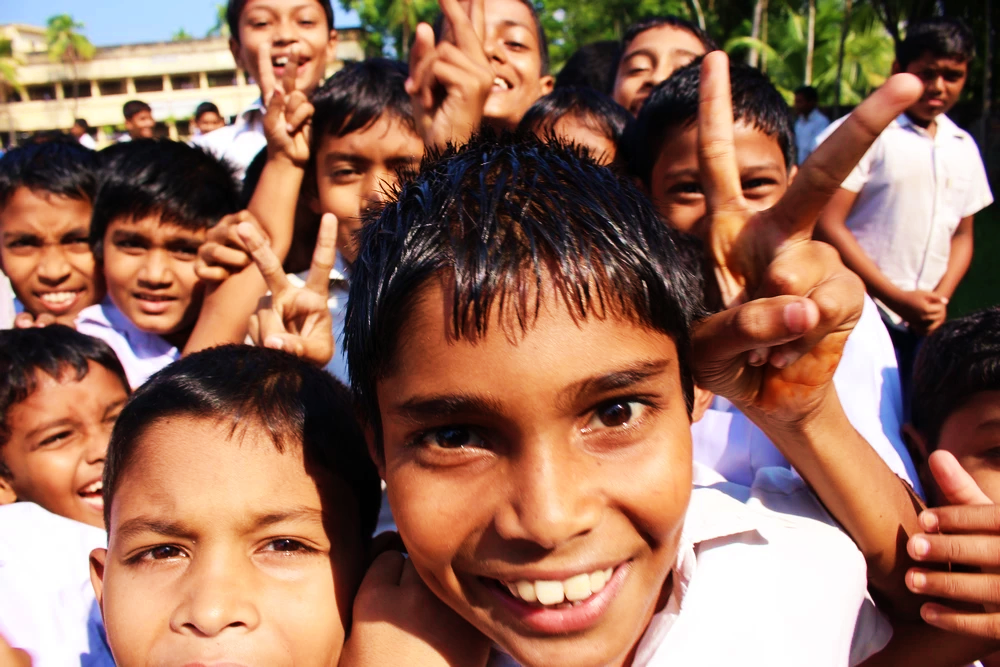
<point x="449" y="82"/>
<point x="294" y="319"/>
<point x="288" y="116"/>
<point x="224" y="253"/>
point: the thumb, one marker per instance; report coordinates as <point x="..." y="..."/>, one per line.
<point x="955" y="483"/>
<point x="761" y="323"/>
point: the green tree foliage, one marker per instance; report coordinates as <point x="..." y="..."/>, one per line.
<point x="68" y="45"/>
<point x="181" y="35"/>
<point x="221" y="26"/>
<point x="9" y="84"/>
<point x="389" y="24"/>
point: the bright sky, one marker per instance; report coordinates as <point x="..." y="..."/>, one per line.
<point x="130" y="21"/>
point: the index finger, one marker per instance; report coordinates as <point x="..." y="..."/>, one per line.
<point x="958" y="519"/>
<point x="265" y="72"/>
<point x="477" y="14"/>
<point x="955" y="483"/>
<point x="833" y="160"/>
<point x="290" y="72"/>
<point x="324" y="256"/>
<point x="720" y="174"/>
<point x="265" y="259"/>
<point x="462" y="29"/>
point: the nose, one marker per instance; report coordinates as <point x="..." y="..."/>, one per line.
<point x="53" y="268"/>
<point x="216" y="596"/>
<point x="286" y="33"/>
<point x="155" y="271"/>
<point x="551" y="501"/>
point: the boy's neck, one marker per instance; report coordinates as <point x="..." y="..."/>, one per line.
<point x="179" y="338"/>
<point x="929" y="125"/>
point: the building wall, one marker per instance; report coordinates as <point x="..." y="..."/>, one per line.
<point x="172" y="77"/>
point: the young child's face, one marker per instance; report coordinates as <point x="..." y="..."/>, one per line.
<point x="58" y="440"/>
<point x="972" y="434"/>
<point x="284" y="24"/>
<point x="675" y="184"/>
<point x="526" y="468"/>
<point x="512" y="45"/>
<point x="209" y="121"/>
<point x="650" y="59"/>
<point x="354" y="172"/>
<point x="140" y="125"/>
<point x="251" y="556"/>
<point x="583" y="132"/>
<point x="149" y="270"/>
<point x="943" y="80"/>
<point x="46" y="253"/>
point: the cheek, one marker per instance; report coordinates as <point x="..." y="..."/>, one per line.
<point x="18" y="268"/>
<point x="987" y="477"/>
<point x="344" y="201"/>
<point x="132" y="624"/>
<point x="188" y="279"/>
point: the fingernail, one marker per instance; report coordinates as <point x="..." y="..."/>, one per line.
<point x="928" y="613"/>
<point x="917" y="580"/>
<point x="921" y="547"/>
<point x="274" y="343"/>
<point x="755" y="358"/>
<point x="929" y="521"/>
<point x="779" y="360"/>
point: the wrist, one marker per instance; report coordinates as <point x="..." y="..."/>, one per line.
<point x="825" y="415"/>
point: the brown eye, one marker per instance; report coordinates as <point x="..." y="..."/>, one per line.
<point x="616" y="414"/>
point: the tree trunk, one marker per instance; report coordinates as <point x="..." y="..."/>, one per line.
<point x="987" y="120"/>
<point x="763" y="34"/>
<point x="754" y="55"/>
<point x="404" y="47"/>
<point x="844" y="28"/>
<point x="699" y="14"/>
<point x="810" y="42"/>
<point x="76" y="85"/>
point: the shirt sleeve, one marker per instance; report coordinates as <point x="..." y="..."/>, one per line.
<point x="861" y="173"/>
<point x="980" y="195"/>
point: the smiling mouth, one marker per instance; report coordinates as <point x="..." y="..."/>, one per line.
<point x="153" y="304"/>
<point x="565" y="593"/>
<point x="60" y="302"/>
<point x="279" y="62"/>
<point x="502" y="84"/>
<point x="92" y="494"/>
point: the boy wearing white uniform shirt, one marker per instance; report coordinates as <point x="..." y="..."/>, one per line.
<point x="903" y="219"/>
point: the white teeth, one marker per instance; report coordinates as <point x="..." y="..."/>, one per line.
<point x="96" y="487"/>
<point x="575" y="589"/>
<point x="500" y="82"/>
<point x="58" y="298"/>
<point x="281" y="60"/>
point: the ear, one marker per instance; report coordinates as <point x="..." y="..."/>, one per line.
<point x="702" y="402"/>
<point x="97" y="560"/>
<point x="313" y="202"/>
<point x="331" y="49"/>
<point x="896" y="69"/>
<point x="7" y="494"/>
<point x="234" y="48"/>
<point x="373" y="453"/>
<point x="546" y="84"/>
<point x="793" y="171"/>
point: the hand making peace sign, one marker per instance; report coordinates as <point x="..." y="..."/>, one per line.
<point x="288" y="117"/>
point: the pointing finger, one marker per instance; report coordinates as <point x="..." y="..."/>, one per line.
<point x="324" y="256"/>
<point x="265" y="259"/>
<point x="265" y="69"/>
<point x="290" y="72"/>
<point x="716" y="153"/>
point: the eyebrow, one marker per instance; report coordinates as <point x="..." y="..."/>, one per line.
<point x="690" y="172"/>
<point x="178" y="529"/>
<point x="639" y="52"/>
<point x="619" y="379"/>
<point x="344" y="157"/>
<point x="113" y="406"/>
<point x="58" y="423"/>
<point x="421" y="408"/>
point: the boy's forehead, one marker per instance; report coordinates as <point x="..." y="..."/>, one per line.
<point x="928" y="60"/>
<point x="665" y="39"/>
<point x="154" y="227"/>
<point x="281" y="5"/>
<point x="754" y="147"/>
<point x="386" y="136"/>
<point x="42" y="209"/>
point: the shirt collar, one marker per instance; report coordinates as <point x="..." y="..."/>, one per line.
<point x="945" y="126"/>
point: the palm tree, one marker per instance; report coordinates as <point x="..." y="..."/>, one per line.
<point x="9" y="63"/>
<point x="68" y="46"/>
<point x="810" y="42"/>
<point x="181" y="35"/>
<point x="221" y="27"/>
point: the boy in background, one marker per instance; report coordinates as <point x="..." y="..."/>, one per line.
<point x="580" y="115"/>
<point x="207" y="118"/>
<point x="81" y="132"/>
<point x="903" y="219"/>
<point x="139" y="121"/>
<point x="46" y="197"/>
<point x="155" y="202"/>
<point x="280" y="33"/>
<point x="809" y="122"/>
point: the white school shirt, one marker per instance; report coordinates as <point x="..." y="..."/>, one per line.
<point x="867" y="383"/>
<point x="141" y="353"/>
<point x="47" y="604"/>
<point x="7" y="309"/>
<point x="763" y="578"/>
<point x="913" y="190"/>
<point x="240" y="142"/>
<point x="87" y="141"/>
<point x="806" y="131"/>
<point x="337" y="303"/>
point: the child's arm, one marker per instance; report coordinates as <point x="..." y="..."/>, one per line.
<point x="958" y="260"/>
<point x="398" y="621"/>
<point x="775" y="357"/>
<point x="287" y="125"/>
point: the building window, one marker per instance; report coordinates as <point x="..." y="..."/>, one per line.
<point x="184" y="81"/>
<point x="219" y="79"/>
<point x="112" y="87"/>
<point x="149" y="84"/>
<point x="82" y="89"/>
<point x="43" y="92"/>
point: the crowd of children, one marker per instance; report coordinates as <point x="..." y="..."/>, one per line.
<point x="612" y="401"/>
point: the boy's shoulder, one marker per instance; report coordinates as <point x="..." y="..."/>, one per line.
<point x="141" y="353"/>
<point x="764" y="577"/>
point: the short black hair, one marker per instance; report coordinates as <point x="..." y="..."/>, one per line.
<point x="235" y="7"/>
<point x="673" y="105"/>
<point x="543" y="40"/>
<point x="296" y="404"/>
<point x="132" y="107"/>
<point x="53" y="350"/>
<point x="593" y="65"/>
<point x="204" y="108"/>
<point x="943" y="37"/>
<point x="958" y="360"/>
<point x="651" y="22"/>
<point x="358" y="95"/>
<point x="492" y="216"/>
<point x="66" y="169"/>
<point x="183" y="185"/>
<point x="82" y="124"/>
<point x="808" y="93"/>
<point x="601" y="112"/>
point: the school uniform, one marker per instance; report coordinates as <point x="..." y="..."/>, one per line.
<point x="8" y="311"/>
<point x="140" y="352"/>
<point x="47" y="603"/>
<point x="240" y="142"/>
<point x="806" y="131"/>
<point x="868" y="386"/>
<point x="763" y="577"/>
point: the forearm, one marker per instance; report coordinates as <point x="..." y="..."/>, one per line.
<point x="875" y="507"/>
<point x="226" y="310"/>
<point x="857" y="260"/>
<point x="958" y="260"/>
<point x="275" y="200"/>
<point x="927" y="646"/>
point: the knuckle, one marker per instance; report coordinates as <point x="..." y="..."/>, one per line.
<point x="750" y="322"/>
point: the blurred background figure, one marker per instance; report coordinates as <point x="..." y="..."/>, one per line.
<point x="81" y="131"/>
<point x="207" y="118"/>
<point x="138" y="120"/>
<point x="809" y="121"/>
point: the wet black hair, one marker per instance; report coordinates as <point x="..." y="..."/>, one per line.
<point x="53" y="350"/>
<point x="132" y="107"/>
<point x="673" y="105"/>
<point x="942" y="37"/>
<point x="593" y="65"/>
<point x="67" y="169"/>
<point x="960" y="359"/>
<point x="492" y="216"/>
<point x="543" y="40"/>
<point x="235" y="7"/>
<point x="599" y="111"/>
<point x="651" y="22"/>
<point x="808" y="93"/>
<point x="358" y="95"/>
<point x="292" y="402"/>
<point x="82" y="124"/>
<point x="183" y="185"/>
<point x="204" y="108"/>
